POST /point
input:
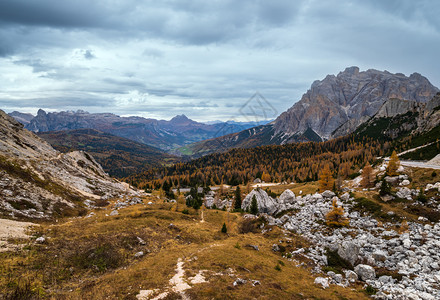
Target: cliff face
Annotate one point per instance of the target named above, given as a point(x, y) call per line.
point(350, 96)
point(36, 181)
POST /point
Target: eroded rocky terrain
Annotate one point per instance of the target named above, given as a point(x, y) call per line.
point(38, 182)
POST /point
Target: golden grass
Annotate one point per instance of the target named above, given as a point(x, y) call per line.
point(56, 268)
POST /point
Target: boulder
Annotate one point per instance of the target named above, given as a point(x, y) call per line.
point(380, 255)
point(365, 272)
point(351, 276)
point(405, 182)
point(321, 281)
point(287, 197)
point(266, 204)
point(40, 240)
point(404, 193)
point(349, 251)
point(328, 194)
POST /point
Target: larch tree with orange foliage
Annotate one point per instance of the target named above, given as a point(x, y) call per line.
point(326, 181)
point(265, 177)
point(393, 164)
point(367, 176)
point(335, 217)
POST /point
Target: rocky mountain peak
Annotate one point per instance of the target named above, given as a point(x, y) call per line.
point(349, 97)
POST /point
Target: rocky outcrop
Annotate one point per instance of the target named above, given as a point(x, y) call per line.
point(266, 204)
point(393, 107)
point(350, 95)
point(37, 181)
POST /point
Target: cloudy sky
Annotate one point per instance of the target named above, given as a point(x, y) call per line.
point(201, 58)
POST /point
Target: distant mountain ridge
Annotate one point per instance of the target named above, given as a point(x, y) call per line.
point(162, 134)
point(332, 107)
point(118, 156)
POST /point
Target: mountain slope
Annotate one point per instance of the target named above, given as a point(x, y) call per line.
point(118, 156)
point(36, 181)
point(334, 107)
point(165, 135)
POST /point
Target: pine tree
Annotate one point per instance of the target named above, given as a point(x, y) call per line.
point(393, 164)
point(385, 188)
point(237, 204)
point(335, 217)
point(224, 229)
point(367, 176)
point(254, 206)
point(326, 181)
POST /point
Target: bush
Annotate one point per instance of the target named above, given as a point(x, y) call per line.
point(370, 290)
point(367, 205)
point(185, 212)
point(278, 268)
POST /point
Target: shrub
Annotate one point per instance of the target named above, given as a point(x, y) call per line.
point(278, 268)
point(185, 212)
point(370, 290)
point(366, 205)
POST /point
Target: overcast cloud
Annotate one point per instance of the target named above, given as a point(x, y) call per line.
point(201, 58)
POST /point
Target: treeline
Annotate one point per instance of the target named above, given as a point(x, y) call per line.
point(298, 162)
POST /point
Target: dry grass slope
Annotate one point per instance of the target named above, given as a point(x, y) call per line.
point(93, 258)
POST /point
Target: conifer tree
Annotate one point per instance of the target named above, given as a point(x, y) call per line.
point(335, 217)
point(237, 204)
point(326, 181)
point(254, 206)
point(393, 164)
point(367, 176)
point(224, 229)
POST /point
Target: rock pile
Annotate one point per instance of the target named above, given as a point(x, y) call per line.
point(411, 257)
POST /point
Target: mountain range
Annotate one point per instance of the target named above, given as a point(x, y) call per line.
point(332, 107)
point(162, 134)
point(118, 156)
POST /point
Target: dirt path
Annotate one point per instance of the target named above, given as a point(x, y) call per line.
point(10, 229)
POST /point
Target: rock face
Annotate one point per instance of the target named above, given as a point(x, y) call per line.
point(37, 181)
point(350, 95)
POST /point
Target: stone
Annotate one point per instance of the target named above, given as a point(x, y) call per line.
point(365, 272)
point(141, 241)
point(287, 197)
point(321, 281)
point(351, 276)
point(40, 239)
point(139, 254)
point(239, 281)
point(349, 251)
point(405, 182)
point(380, 255)
point(114, 213)
point(275, 248)
point(255, 282)
point(328, 194)
point(254, 247)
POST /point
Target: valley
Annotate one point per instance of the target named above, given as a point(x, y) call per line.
point(91, 214)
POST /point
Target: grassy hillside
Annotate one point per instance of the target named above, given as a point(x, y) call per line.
point(94, 258)
point(118, 156)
